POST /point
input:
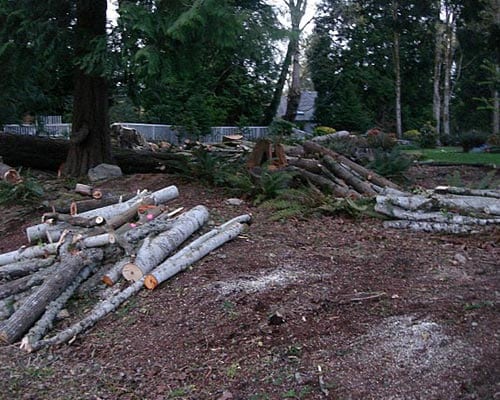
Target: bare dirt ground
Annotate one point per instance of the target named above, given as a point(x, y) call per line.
point(327, 308)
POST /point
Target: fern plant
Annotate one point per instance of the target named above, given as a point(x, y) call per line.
point(28, 191)
point(270, 185)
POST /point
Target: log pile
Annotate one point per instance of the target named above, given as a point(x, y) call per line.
point(132, 239)
point(444, 209)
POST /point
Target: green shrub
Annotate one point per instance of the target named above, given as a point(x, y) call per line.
point(390, 164)
point(472, 139)
point(428, 136)
point(378, 139)
point(493, 140)
point(323, 130)
point(412, 135)
point(27, 192)
point(280, 128)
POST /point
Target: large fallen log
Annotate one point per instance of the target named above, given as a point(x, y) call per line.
point(155, 249)
point(196, 251)
point(26, 267)
point(315, 148)
point(33, 307)
point(48, 154)
point(26, 253)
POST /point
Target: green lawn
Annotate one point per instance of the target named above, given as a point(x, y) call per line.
point(455, 155)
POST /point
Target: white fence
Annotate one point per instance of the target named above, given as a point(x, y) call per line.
point(51, 126)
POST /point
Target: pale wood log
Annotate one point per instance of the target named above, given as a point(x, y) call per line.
point(115, 272)
point(337, 169)
point(326, 184)
point(26, 267)
point(487, 205)
point(24, 283)
point(98, 240)
point(155, 250)
point(45, 323)
point(442, 217)
point(62, 206)
point(53, 217)
point(103, 308)
point(467, 192)
point(193, 252)
point(311, 147)
point(9, 174)
point(424, 226)
point(84, 189)
point(34, 306)
point(26, 253)
point(308, 164)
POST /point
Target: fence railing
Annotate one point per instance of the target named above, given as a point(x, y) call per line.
point(152, 132)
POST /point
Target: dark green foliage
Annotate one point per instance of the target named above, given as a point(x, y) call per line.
point(271, 184)
point(27, 192)
point(428, 136)
point(391, 164)
point(280, 128)
point(471, 139)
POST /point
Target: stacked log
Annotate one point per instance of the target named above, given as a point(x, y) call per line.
point(444, 209)
point(37, 281)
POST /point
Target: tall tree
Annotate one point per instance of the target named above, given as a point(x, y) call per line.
point(90, 142)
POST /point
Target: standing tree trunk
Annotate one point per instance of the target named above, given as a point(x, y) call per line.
point(496, 112)
point(397, 69)
point(438, 63)
point(90, 142)
point(297, 10)
point(449, 50)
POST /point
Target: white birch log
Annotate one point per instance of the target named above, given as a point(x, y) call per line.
point(154, 250)
point(487, 205)
point(45, 323)
point(468, 192)
point(194, 252)
point(26, 267)
point(442, 217)
point(26, 253)
point(103, 308)
point(98, 240)
point(425, 226)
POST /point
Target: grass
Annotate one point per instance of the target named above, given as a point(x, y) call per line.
point(455, 155)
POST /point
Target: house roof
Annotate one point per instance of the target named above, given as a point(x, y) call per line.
point(306, 106)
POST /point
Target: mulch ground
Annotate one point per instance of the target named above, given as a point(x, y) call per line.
point(325, 308)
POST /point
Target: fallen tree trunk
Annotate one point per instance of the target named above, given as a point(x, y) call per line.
point(27, 253)
point(25, 283)
point(467, 192)
point(155, 250)
point(195, 251)
point(425, 226)
point(48, 154)
point(22, 268)
point(312, 148)
point(44, 324)
point(326, 184)
point(33, 307)
point(342, 172)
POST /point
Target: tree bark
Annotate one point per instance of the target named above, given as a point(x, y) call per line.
point(90, 143)
point(397, 69)
point(22, 268)
point(154, 250)
point(28, 253)
point(34, 306)
point(438, 64)
point(196, 251)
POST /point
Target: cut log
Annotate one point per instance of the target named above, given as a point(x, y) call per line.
point(81, 188)
point(103, 308)
point(154, 250)
point(195, 251)
point(312, 148)
point(330, 136)
point(80, 206)
point(115, 273)
point(424, 226)
point(9, 174)
point(44, 324)
point(39, 232)
point(326, 184)
point(26, 253)
point(26, 267)
point(467, 192)
point(344, 174)
point(265, 152)
point(24, 283)
point(34, 306)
